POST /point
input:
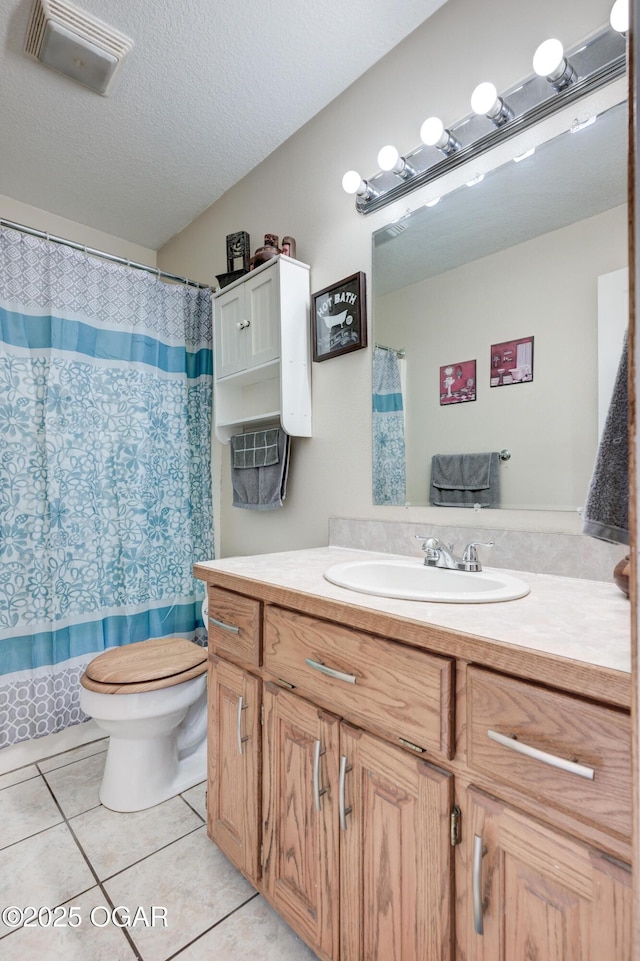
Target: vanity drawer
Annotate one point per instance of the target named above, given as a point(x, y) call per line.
point(234, 626)
point(402, 693)
point(519, 733)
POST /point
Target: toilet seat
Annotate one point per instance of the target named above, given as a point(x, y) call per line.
point(145, 666)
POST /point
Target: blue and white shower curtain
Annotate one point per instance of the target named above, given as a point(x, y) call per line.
point(389, 463)
point(105, 480)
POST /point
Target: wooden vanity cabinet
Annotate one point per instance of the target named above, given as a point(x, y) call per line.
point(396, 858)
point(357, 853)
point(234, 764)
point(300, 829)
point(337, 786)
point(537, 893)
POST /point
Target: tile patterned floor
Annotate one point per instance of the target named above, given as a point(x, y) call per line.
point(61, 849)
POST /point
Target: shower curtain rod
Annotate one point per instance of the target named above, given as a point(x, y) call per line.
point(98, 253)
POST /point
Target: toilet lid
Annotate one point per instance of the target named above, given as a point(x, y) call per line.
point(160, 658)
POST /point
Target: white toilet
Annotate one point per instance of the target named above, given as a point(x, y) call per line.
point(151, 699)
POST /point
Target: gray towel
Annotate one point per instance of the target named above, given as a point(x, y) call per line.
point(606, 513)
point(259, 488)
point(256, 449)
point(464, 480)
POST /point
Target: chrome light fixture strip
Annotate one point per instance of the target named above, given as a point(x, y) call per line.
point(598, 62)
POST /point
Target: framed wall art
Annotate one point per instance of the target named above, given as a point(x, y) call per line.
point(339, 318)
point(512, 362)
point(458, 382)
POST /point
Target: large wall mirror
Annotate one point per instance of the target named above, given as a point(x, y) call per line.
point(535, 251)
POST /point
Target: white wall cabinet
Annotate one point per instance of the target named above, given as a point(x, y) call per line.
point(262, 358)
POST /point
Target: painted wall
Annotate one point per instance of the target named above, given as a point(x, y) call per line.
point(20, 213)
point(551, 424)
point(297, 191)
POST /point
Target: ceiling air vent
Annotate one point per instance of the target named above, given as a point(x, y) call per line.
point(75, 43)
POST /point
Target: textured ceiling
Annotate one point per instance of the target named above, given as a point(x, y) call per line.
point(209, 90)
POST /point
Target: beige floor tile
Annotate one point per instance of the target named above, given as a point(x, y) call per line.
point(46, 869)
point(75, 754)
point(20, 774)
point(193, 880)
point(76, 785)
point(113, 841)
point(25, 809)
point(196, 797)
point(253, 931)
point(81, 942)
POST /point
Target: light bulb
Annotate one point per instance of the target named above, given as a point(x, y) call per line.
point(389, 159)
point(431, 131)
point(548, 58)
point(484, 99)
point(619, 18)
point(351, 182)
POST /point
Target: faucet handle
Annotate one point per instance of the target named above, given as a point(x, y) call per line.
point(470, 555)
point(430, 543)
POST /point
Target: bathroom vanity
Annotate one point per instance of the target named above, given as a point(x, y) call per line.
point(412, 781)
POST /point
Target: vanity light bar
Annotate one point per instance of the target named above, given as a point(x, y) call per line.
point(593, 64)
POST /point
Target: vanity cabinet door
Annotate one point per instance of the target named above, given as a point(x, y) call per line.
point(300, 836)
point(396, 872)
point(234, 749)
point(536, 893)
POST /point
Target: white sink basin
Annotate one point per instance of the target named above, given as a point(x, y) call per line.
point(411, 580)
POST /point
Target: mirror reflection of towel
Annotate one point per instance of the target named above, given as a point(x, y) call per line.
point(606, 513)
point(260, 488)
point(464, 480)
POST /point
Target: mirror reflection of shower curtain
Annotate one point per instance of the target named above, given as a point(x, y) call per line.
point(389, 465)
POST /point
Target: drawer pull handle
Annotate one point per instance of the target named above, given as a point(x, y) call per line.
point(552, 759)
point(479, 852)
point(317, 790)
point(225, 627)
point(343, 811)
point(330, 671)
point(241, 707)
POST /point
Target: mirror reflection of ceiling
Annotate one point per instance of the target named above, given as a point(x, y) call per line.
point(573, 177)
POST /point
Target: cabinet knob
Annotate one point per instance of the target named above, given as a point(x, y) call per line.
point(241, 324)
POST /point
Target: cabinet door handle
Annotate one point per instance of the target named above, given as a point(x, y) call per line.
point(241, 739)
point(560, 762)
point(317, 790)
point(243, 324)
point(343, 811)
point(479, 852)
point(330, 671)
point(225, 627)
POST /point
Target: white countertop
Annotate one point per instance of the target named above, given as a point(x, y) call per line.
point(583, 620)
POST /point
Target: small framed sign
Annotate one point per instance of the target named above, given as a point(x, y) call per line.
point(458, 382)
point(339, 317)
point(512, 362)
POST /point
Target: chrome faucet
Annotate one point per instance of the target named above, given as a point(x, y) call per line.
point(437, 554)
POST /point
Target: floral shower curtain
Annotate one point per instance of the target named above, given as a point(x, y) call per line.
point(389, 468)
point(105, 481)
